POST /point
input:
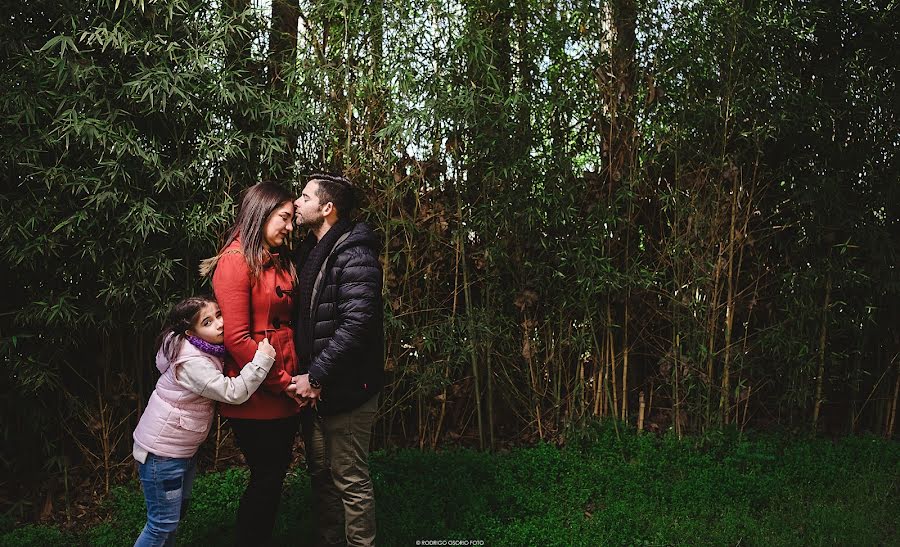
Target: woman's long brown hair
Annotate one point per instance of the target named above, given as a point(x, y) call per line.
point(258, 203)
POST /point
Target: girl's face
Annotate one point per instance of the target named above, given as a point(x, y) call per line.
point(209, 325)
point(279, 225)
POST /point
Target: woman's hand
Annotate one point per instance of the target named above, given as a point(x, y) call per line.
point(266, 347)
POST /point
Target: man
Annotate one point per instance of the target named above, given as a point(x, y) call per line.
point(339, 334)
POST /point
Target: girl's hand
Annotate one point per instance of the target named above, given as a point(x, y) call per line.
point(266, 348)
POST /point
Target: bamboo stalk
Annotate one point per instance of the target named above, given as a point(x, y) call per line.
point(403, 426)
point(528, 354)
point(104, 438)
point(580, 388)
point(892, 420)
point(420, 421)
point(571, 387)
point(612, 359)
point(711, 329)
point(218, 442)
point(389, 417)
point(820, 378)
point(348, 124)
point(443, 412)
point(724, 400)
point(746, 408)
point(598, 363)
point(677, 402)
point(140, 375)
point(855, 381)
point(604, 393)
point(640, 423)
point(66, 490)
point(871, 393)
point(467, 294)
point(624, 415)
point(557, 387)
point(749, 315)
point(490, 385)
point(490, 396)
point(605, 403)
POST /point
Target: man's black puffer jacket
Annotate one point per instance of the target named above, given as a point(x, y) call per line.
point(348, 323)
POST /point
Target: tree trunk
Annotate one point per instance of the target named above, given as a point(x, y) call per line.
point(242, 170)
point(282, 57)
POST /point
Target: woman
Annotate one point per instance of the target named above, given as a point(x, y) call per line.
point(253, 279)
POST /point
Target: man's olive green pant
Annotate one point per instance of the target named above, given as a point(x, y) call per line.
point(337, 455)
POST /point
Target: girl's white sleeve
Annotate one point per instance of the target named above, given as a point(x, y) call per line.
point(203, 378)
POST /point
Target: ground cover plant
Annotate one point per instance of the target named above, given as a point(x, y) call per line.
point(603, 488)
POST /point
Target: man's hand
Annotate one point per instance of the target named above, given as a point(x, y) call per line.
point(305, 390)
point(291, 391)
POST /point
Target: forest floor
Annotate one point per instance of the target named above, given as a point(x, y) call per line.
point(602, 488)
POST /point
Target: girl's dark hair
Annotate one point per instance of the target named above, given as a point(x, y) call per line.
point(182, 317)
point(257, 204)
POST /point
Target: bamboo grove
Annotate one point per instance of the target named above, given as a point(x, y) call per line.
point(681, 215)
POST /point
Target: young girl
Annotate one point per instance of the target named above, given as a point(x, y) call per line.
point(190, 355)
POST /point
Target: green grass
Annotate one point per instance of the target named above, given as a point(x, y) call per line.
point(640, 490)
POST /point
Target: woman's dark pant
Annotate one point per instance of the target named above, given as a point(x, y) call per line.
point(267, 446)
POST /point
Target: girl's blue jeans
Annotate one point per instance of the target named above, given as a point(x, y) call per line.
point(167, 486)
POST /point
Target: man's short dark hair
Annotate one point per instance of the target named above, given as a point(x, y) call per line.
point(336, 189)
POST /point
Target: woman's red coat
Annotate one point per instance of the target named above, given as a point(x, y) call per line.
point(251, 311)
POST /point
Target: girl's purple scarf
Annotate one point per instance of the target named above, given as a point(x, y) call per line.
point(217, 350)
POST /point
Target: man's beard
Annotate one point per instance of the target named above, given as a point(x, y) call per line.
point(313, 224)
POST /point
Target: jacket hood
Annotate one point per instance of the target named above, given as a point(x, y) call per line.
point(162, 362)
point(361, 235)
point(181, 351)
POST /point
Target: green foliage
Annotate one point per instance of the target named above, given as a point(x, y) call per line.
point(638, 490)
point(210, 518)
point(34, 536)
